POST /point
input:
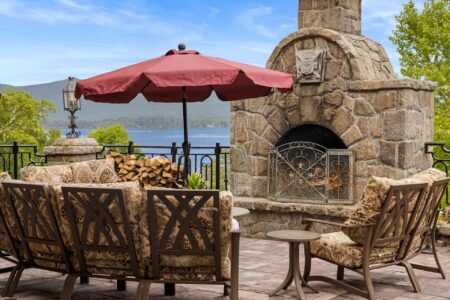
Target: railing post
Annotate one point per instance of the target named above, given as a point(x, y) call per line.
point(217, 152)
point(173, 152)
point(130, 147)
point(15, 151)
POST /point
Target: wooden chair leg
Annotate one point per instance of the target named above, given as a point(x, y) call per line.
point(121, 285)
point(368, 283)
point(84, 280)
point(169, 289)
point(412, 276)
point(69, 284)
point(234, 285)
point(436, 258)
point(226, 290)
point(340, 273)
point(143, 290)
point(9, 282)
point(14, 281)
point(307, 269)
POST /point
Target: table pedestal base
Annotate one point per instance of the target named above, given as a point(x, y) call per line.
point(294, 273)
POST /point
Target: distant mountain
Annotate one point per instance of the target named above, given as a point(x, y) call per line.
point(137, 113)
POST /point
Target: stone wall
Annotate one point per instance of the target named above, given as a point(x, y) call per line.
point(341, 15)
point(66, 151)
point(385, 121)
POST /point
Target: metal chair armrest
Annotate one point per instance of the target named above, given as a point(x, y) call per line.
point(340, 225)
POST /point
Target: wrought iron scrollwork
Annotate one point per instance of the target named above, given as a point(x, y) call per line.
point(308, 172)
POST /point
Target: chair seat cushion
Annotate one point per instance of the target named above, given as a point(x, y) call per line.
point(340, 249)
point(187, 264)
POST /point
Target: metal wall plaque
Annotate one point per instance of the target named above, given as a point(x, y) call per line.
point(310, 65)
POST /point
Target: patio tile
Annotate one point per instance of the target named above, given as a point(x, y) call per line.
point(263, 266)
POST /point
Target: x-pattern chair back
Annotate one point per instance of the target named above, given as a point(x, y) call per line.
point(398, 216)
point(184, 208)
point(101, 229)
point(428, 218)
point(35, 221)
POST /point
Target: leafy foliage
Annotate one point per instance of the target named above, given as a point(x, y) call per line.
point(196, 182)
point(423, 41)
point(114, 134)
point(20, 117)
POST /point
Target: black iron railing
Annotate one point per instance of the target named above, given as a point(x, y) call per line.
point(441, 160)
point(212, 163)
point(14, 157)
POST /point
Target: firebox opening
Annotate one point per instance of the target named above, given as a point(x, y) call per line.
point(312, 133)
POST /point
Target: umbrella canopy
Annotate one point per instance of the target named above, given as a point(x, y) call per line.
point(183, 76)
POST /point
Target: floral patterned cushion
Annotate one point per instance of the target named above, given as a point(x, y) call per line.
point(186, 262)
point(44, 254)
point(133, 201)
point(5, 244)
point(340, 249)
point(430, 176)
point(94, 171)
point(369, 207)
point(48, 174)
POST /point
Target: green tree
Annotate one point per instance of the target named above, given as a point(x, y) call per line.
point(112, 135)
point(20, 117)
point(423, 41)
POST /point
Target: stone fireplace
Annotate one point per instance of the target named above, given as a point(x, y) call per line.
point(357, 117)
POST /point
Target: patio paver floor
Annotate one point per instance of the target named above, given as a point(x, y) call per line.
point(263, 265)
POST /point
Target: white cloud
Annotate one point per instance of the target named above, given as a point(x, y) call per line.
point(73, 4)
point(250, 19)
point(213, 11)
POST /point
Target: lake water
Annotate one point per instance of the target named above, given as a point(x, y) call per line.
point(165, 136)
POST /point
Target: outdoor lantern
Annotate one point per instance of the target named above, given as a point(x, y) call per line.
point(71, 104)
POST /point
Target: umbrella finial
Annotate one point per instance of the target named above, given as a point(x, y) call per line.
point(181, 47)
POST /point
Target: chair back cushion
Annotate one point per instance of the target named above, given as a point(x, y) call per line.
point(96, 210)
point(94, 171)
point(5, 240)
point(190, 236)
point(48, 174)
point(370, 206)
point(30, 218)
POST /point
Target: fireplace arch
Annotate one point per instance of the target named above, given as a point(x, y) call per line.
point(312, 133)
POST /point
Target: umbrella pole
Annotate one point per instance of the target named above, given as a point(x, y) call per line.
point(186, 145)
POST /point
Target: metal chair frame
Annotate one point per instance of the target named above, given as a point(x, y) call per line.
point(186, 216)
point(390, 227)
point(33, 228)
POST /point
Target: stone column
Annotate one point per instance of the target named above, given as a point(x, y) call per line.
point(339, 15)
point(65, 151)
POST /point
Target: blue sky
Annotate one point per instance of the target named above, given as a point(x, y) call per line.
point(44, 41)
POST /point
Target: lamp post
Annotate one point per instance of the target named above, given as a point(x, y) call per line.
point(71, 104)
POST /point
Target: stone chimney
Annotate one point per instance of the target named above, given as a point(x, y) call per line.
point(339, 15)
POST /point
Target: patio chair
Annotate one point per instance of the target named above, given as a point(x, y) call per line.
point(32, 227)
point(101, 236)
point(393, 238)
point(428, 229)
point(190, 234)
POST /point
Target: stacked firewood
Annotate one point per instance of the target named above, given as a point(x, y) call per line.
point(155, 171)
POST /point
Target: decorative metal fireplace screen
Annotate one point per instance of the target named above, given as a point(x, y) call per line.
point(307, 172)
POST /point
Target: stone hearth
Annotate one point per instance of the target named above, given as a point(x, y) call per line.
point(345, 83)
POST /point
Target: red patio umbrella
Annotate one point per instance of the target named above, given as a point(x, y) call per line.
point(183, 76)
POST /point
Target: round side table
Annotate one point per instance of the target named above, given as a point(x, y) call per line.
point(294, 238)
point(239, 212)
